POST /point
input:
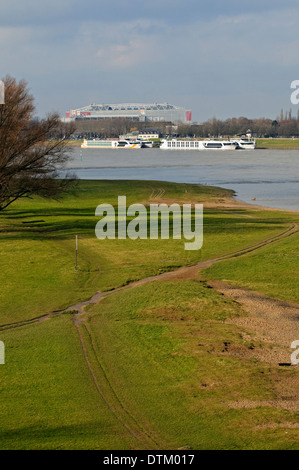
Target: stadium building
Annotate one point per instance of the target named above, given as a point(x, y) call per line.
point(137, 112)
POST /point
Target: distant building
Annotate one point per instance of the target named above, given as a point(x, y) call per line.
point(146, 134)
point(135, 111)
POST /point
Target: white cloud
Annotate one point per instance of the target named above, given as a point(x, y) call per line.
point(134, 53)
point(161, 58)
point(119, 45)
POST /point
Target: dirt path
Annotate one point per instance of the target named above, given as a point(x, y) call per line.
point(182, 272)
point(264, 319)
point(275, 317)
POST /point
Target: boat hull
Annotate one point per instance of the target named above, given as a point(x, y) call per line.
point(147, 144)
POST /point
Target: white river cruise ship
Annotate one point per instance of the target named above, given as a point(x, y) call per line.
point(176, 144)
point(109, 144)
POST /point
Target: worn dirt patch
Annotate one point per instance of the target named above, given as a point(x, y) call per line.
point(276, 324)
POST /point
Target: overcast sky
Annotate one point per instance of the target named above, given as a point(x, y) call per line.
point(223, 58)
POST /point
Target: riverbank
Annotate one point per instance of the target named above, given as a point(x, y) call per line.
point(156, 357)
point(275, 144)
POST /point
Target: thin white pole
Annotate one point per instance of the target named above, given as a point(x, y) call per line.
point(76, 252)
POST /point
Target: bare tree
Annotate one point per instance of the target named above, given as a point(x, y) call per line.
point(30, 150)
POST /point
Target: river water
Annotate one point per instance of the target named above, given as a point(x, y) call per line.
point(269, 176)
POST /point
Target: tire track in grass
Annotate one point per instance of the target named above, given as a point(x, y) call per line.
point(108, 393)
point(125, 417)
point(96, 298)
point(120, 411)
point(31, 321)
point(157, 193)
point(109, 397)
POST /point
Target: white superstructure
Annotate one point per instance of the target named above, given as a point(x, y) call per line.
point(109, 144)
point(176, 144)
point(245, 144)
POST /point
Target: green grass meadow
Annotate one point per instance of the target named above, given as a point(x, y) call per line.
point(153, 368)
point(278, 143)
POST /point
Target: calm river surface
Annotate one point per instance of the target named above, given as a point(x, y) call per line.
point(270, 176)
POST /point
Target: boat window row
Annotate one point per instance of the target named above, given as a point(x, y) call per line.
point(183, 144)
point(213, 145)
point(99, 144)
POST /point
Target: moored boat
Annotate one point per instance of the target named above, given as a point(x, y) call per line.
point(147, 144)
point(176, 144)
point(245, 144)
point(97, 143)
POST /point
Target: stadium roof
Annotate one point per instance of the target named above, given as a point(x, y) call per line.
point(128, 107)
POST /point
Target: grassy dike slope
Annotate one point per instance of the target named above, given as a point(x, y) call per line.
point(147, 367)
point(278, 144)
